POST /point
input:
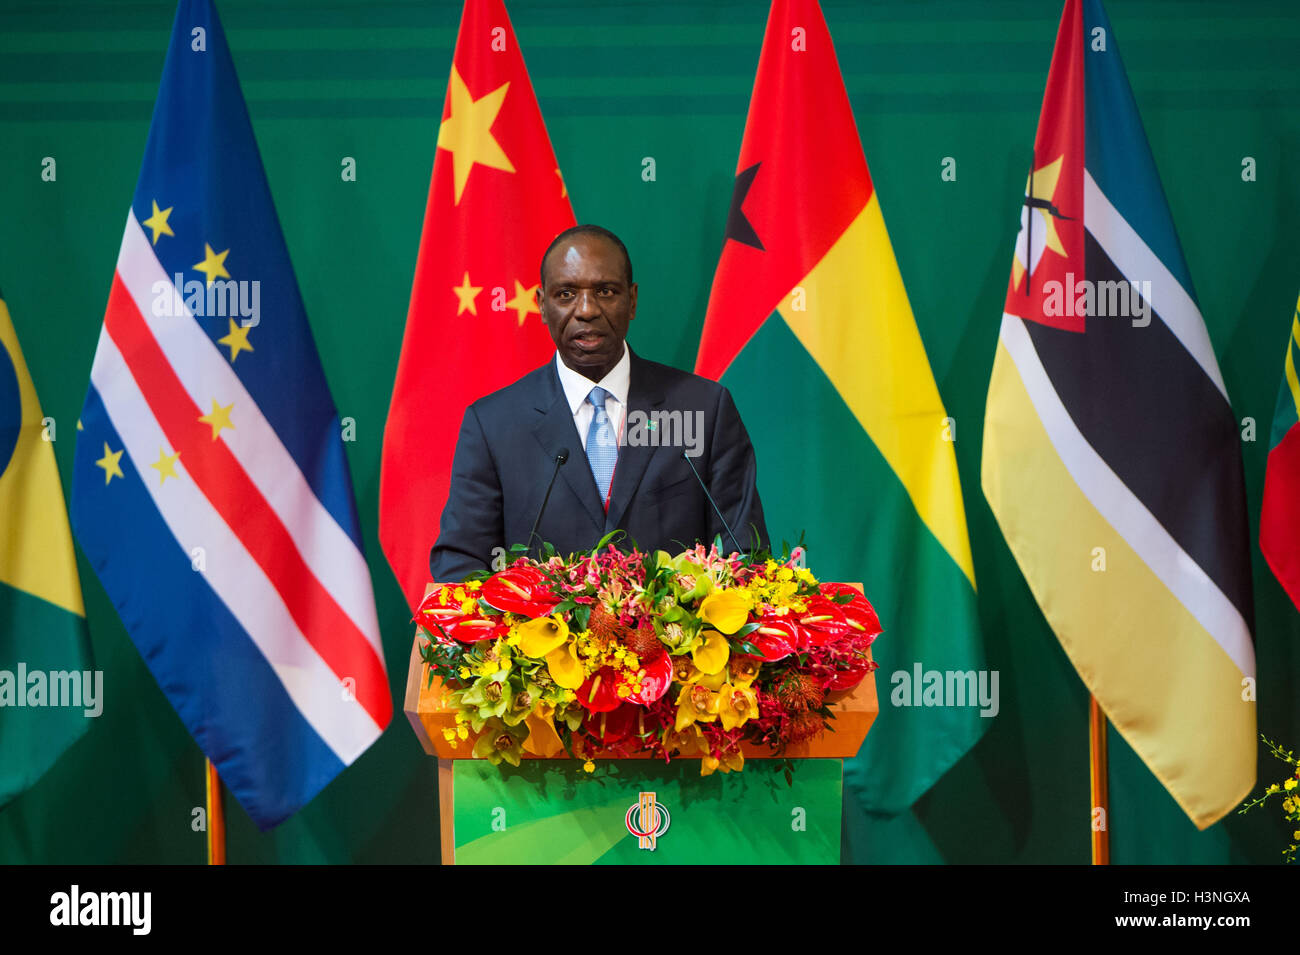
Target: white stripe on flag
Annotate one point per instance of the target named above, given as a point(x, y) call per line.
point(205, 373)
point(1137, 263)
point(1124, 510)
point(233, 574)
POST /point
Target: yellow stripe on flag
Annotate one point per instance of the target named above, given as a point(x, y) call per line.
point(851, 313)
point(36, 553)
point(1167, 685)
point(1292, 382)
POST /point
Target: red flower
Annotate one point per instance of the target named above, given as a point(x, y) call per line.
point(619, 723)
point(847, 679)
point(823, 621)
point(654, 684)
point(599, 693)
point(520, 589)
point(438, 619)
point(858, 612)
point(777, 637)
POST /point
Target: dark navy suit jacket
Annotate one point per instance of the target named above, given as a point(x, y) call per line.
point(506, 452)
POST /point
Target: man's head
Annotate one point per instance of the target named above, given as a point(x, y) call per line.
point(587, 298)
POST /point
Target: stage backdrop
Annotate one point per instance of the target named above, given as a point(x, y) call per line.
point(621, 86)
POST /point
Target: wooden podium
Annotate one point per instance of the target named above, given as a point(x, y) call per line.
point(430, 713)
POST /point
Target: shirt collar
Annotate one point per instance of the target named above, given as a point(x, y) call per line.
point(577, 386)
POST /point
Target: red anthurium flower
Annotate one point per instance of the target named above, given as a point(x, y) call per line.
point(655, 682)
point(438, 619)
point(823, 620)
point(858, 612)
point(848, 679)
point(599, 693)
point(522, 590)
point(473, 629)
point(777, 637)
point(609, 727)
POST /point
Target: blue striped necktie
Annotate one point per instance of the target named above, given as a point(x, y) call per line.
point(602, 449)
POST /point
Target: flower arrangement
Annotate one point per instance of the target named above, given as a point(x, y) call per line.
point(618, 654)
point(1290, 801)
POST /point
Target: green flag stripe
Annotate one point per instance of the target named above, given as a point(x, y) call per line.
point(820, 473)
point(43, 638)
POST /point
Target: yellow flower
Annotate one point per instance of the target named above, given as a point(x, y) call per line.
point(712, 655)
point(464, 673)
point(1290, 783)
point(736, 704)
point(744, 670)
point(725, 610)
point(565, 668)
point(684, 742)
point(542, 739)
point(696, 704)
point(735, 760)
point(539, 637)
point(588, 767)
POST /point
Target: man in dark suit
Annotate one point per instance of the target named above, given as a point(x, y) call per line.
point(624, 425)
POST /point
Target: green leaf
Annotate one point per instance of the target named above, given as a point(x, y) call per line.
point(607, 539)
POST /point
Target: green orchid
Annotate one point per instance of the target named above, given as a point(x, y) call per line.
point(501, 742)
point(487, 697)
point(522, 702)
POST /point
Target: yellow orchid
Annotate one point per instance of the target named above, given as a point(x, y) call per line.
point(732, 760)
point(539, 637)
point(744, 670)
point(725, 610)
point(564, 666)
point(696, 704)
point(684, 742)
point(711, 656)
point(736, 704)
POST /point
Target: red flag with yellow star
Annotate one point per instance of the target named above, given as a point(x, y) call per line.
point(496, 201)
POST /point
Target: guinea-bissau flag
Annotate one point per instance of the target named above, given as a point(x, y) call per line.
point(42, 619)
point(495, 203)
point(1279, 521)
point(1111, 454)
point(810, 328)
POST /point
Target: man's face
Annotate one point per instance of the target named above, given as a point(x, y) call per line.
point(587, 304)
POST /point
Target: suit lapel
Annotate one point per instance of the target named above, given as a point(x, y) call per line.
point(643, 394)
point(555, 430)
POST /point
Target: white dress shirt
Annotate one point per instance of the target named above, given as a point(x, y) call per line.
point(577, 386)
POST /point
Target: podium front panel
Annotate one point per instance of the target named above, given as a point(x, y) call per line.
point(645, 812)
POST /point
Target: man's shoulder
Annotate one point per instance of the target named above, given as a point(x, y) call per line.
point(675, 380)
point(535, 385)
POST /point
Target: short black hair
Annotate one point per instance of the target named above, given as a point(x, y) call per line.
point(588, 229)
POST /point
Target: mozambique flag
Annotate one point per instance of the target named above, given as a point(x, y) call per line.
point(42, 621)
point(810, 328)
point(1111, 455)
point(496, 201)
point(1279, 521)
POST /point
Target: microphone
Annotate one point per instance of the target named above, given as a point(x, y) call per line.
point(739, 549)
point(560, 457)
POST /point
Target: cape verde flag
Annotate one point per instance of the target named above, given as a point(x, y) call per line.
point(1112, 459)
point(211, 492)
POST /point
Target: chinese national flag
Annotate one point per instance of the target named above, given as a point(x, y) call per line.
point(495, 203)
